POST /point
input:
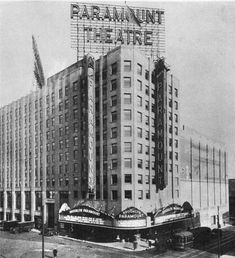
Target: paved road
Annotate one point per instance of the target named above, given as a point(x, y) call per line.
point(28, 245)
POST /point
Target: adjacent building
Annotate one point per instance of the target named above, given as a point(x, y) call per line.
point(204, 176)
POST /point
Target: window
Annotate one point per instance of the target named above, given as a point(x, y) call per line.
point(140, 163)
point(139, 69)
point(140, 148)
point(127, 98)
point(146, 74)
point(60, 131)
point(66, 181)
point(60, 93)
point(170, 155)
point(128, 178)
point(114, 195)
point(139, 101)
point(53, 121)
point(127, 147)
point(147, 105)
point(147, 150)
point(147, 90)
point(176, 130)
point(113, 85)
point(60, 106)
point(75, 141)
point(127, 82)
point(127, 131)
point(170, 89)
point(177, 193)
point(66, 131)
point(139, 117)
point(147, 179)
point(66, 117)
point(60, 156)
point(127, 163)
point(127, 66)
point(170, 129)
point(75, 155)
point(114, 132)
point(139, 132)
point(113, 179)
point(147, 164)
point(66, 104)
point(140, 179)
point(176, 92)
point(176, 155)
point(170, 116)
point(146, 135)
point(170, 142)
point(140, 194)
point(147, 120)
point(75, 100)
point(176, 118)
point(114, 116)
point(153, 180)
point(128, 194)
point(139, 85)
point(147, 194)
point(114, 148)
point(170, 103)
point(114, 163)
point(176, 181)
point(114, 68)
point(75, 86)
point(176, 105)
point(75, 194)
point(176, 143)
point(127, 114)
point(75, 127)
point(75, 113)
point(114, 101)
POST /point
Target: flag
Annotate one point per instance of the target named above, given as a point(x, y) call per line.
point(38, 70)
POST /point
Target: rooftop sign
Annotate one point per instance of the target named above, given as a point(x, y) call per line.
point(99, 28)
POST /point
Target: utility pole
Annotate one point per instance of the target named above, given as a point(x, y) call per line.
point(218, 224)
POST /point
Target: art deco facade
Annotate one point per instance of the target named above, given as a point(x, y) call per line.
point(110, 134)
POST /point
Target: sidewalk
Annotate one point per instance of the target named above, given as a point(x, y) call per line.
point(125, 246)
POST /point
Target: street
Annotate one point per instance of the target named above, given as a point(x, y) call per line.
point(28, 245)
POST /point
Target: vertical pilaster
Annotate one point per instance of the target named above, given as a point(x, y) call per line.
point(13, 162)
point(22, 163)
point(32, 134)
point(5, 169)
point(44, 164)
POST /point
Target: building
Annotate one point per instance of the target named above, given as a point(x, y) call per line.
point(204, 176)
point(46, 139)
point(232, 200)
point(107, 131)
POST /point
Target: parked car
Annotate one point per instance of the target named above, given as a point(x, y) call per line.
point(25, 226)
point(182, 240)
point(216, 231)
point(201, 235)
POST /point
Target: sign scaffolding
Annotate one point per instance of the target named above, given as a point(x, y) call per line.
point(99, 28)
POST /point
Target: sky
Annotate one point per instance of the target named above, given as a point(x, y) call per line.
point(200, 49)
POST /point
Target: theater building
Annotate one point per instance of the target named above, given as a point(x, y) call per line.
point(204, 176)
point(47, 139)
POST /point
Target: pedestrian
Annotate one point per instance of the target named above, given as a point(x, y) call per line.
point(55, 253)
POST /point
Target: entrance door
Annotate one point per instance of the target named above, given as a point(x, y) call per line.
point(51, 214)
